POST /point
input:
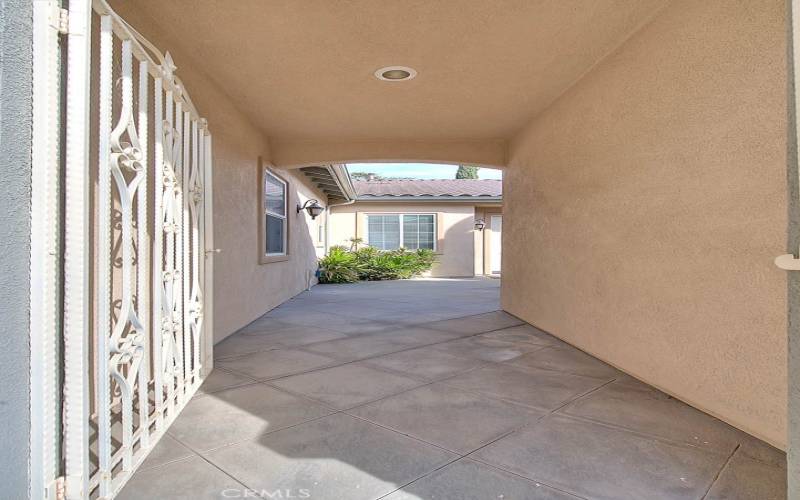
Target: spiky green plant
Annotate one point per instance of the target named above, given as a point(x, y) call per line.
point(339, 266)
point(368, 263)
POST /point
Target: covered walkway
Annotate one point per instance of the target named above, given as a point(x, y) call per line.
point(156, 159)
point(424, 389)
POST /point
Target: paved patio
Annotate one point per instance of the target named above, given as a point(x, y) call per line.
point(424, 390)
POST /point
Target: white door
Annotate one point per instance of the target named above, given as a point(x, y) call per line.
point(496, 226)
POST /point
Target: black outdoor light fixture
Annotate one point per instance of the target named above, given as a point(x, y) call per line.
point(480, 224)
point(312, 207)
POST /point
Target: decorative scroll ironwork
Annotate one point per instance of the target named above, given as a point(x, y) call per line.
point(126, 347)
point(171, 321)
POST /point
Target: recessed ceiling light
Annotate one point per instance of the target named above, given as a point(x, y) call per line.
point(395, 73)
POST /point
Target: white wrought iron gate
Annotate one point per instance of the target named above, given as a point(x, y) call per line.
point(121, 279)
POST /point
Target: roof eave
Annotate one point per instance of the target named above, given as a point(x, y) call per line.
point(475, 199)
point(342, 175)
point(333, 180)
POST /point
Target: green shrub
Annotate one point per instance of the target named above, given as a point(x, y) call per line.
point(346, 266)
point(339, 266)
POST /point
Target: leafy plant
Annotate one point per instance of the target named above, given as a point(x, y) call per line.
point(354, 242)
point(368, 263)
point(339, 266)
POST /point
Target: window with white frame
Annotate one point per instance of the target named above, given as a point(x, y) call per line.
point(275, 221)
point(392, 231)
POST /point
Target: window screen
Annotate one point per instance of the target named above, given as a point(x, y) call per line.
point(383, 231)
point(391, 231)
point(418, 231)
point(275, 213)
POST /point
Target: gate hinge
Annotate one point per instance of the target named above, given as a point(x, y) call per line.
point(61, 492)
point(59, 19)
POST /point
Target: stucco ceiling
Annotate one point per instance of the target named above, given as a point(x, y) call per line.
point(304, 69)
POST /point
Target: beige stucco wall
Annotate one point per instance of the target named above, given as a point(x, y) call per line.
point(454, 225)
point(645, 206)
point(292, 153)
point(243, 288)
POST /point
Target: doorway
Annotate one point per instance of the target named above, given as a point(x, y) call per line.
point(496, 228)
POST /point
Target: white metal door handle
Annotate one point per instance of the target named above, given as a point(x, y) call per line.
point(213, 250)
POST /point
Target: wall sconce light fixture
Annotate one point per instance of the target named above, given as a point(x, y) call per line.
point(312, 207)
point(480, 224)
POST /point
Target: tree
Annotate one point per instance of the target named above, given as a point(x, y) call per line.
point(466, 172)
point(366, 176)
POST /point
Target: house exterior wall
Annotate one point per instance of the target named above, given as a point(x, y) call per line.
point(243, 288)
point(454, 225)
point(16, 80)
point(645, 206)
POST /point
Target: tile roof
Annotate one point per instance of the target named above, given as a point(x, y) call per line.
point(429, 187)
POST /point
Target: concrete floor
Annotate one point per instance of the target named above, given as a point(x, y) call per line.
point(424, 390)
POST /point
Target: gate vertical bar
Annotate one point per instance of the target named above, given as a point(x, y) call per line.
point(188, 164)
point(142, 258)
point(76, 254)
point(177, 210)
point(198, 160)
point(169, 278)
point(209, 251)
point(103, 297)
point(44, 260)
point(188, 267)
point(158, 255)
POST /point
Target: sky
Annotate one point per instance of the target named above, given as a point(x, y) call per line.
point(419, 170)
